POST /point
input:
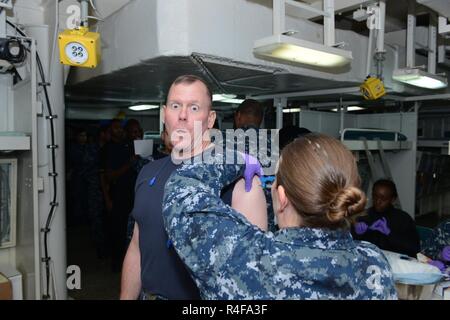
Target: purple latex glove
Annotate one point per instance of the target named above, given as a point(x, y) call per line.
point(252, 168)
point(438, 264)
point(361, 227)
point(446, 253)
point(381, 226)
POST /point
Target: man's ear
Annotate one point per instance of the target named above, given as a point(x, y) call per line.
point(237, 115)
point(163, 113)
point(211, 119)
point(283, 201)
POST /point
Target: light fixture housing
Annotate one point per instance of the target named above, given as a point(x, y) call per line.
point(233, 101)
point(289, 49)
point(227, 98)
point(420, 78)
point(221, 97)
point(143, 107)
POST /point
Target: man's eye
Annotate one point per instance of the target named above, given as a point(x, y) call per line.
point(195, 108)
point(174, 106)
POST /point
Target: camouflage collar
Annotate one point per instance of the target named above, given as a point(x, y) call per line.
point(315, 238)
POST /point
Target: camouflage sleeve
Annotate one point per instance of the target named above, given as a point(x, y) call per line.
point(440, 238)
point(203, 229)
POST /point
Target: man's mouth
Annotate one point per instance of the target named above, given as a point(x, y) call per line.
point(181, 131)
point(180, 135)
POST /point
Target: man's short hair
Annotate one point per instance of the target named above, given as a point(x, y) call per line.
point(251, 108)
point(289, 133)
point(388, 184)
point(190, 79)
point(132, 122)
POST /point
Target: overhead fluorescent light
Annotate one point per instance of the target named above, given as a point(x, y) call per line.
point(221, 97)
point(419, 78)
point(292, 110)
point(284, 48)
point(351, 108)
point(143, 107)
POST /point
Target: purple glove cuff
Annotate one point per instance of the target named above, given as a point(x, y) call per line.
point(438, 264)
point(252, 168)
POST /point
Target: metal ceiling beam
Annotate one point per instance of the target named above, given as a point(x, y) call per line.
point(444, 96)
point(321, 105)
point(315, 9)
point(312, 93)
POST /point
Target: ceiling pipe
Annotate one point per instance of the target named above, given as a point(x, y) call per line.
point(380, 51)
point(84, 13)
point(369, 52)
point(197, 60)
point(432, 44)
point(410, 31)
point(279, 16)
point(329, 33)
point(312, 93)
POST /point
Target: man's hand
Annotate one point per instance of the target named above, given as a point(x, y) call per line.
point(252, 168)
point(361, 228)
point(446, 253)
point(381, 226)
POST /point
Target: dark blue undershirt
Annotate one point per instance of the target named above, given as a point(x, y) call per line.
point(162, 271)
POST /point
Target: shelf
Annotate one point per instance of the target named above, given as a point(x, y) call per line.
point(13, 143)
point(438, 144)
point(358, 145)
point(433, 143)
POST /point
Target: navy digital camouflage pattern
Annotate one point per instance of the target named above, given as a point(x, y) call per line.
point(262, 150)
point(440, 238)
point(229, 258)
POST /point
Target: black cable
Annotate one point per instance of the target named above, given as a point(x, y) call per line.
point(16, 76)
point(53, 174)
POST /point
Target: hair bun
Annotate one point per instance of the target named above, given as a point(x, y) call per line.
point(348, 201)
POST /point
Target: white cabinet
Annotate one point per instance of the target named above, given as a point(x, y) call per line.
point(16, 281)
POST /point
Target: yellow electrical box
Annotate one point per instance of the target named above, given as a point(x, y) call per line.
point(79, 48)
point(372, 88)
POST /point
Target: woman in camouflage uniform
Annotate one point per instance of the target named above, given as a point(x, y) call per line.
point(312, 256)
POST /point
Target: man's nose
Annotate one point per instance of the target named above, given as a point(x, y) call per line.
point(183, 113)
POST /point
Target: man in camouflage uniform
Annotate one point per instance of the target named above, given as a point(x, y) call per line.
point(229, 258)
point(250, 139)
